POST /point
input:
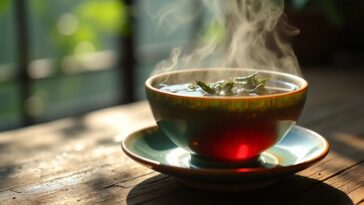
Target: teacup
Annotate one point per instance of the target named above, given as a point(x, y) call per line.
point(226, 129)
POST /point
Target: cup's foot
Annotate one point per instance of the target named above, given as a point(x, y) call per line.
point(200, 162)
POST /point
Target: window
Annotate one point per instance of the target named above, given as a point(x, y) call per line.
point(72, 56)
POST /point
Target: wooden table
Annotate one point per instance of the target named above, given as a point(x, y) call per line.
point(79, 160)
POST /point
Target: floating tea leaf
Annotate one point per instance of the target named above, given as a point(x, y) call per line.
point(205, 87)
point(242, 85)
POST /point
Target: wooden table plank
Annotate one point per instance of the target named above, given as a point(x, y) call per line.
point(64, 161)
point(349, 181)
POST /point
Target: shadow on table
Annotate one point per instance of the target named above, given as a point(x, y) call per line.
point(5, 173)
point(162, 189)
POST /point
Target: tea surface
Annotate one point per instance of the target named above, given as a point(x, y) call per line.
point(189, 89)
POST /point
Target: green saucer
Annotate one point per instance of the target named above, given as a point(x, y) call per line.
point(299, 149)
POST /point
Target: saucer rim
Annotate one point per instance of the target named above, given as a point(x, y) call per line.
point(176, 170)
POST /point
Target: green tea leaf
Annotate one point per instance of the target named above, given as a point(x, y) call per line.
point(260, 88)
point(262, 81)
point(244, 85)
point(206, 88)
point(246, 78)
point(228, 87)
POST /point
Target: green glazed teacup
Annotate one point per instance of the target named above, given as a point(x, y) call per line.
point(225, 129)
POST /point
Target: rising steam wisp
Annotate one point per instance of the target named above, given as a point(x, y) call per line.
point(239, 34)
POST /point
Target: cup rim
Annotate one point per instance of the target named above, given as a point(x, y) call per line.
point(302, 85)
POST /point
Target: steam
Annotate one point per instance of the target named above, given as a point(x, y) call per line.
point(239, 34)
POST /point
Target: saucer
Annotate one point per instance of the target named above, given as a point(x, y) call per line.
point(299, 149)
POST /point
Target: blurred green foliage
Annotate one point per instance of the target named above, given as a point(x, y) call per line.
point(56, 30)
point(93, 21)
point(4, 7)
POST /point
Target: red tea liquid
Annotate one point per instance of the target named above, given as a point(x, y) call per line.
point(222, 135)
point(229, 138)
point(234, 142)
